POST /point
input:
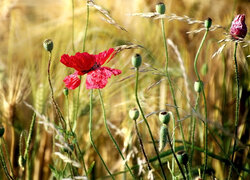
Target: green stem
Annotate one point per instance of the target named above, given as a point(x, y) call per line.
point(141, 145)
point(59, 114)
point(204, 99)
point(110, 135)
point(90, 134)
point(8, 156)
point(146, 122)
point(236, 123)
point(193, 128)
point(173, 159)
point(73, 23)
point(29, 136)
point(178, 163)
point(4, 165)
point(170, 85)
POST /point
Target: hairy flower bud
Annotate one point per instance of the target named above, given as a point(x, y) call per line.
point(134, 114)
point(2, 131)
point(182, 157)
point(66, 91)
point(48, 45)
point(164, 117)
point(160, 8)
point(163, 137)
point(136, 60)
point(238, 28)
point(198, 86)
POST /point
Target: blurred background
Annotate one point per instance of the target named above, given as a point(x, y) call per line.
point(25, 24)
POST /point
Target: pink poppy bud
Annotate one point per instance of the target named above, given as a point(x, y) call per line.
point(238, 27)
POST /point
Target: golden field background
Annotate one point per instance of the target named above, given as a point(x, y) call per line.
point(24, 24)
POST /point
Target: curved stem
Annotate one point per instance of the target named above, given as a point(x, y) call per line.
point(59, 114)
point(110, 135)
point(146, 122)
point(237, 106)
point(204, 99)
point(141, 145)
point(178, 163)
point(170, 85)
point(193, 128)
point(90, 134)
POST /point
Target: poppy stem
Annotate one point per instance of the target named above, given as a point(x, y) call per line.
point(110, 135)
point(59, 114)
point(90, 133)
point(237, 107)
point(171, 86)
point(2, 160)
point(204, 99)
point(141, 145)
point(146, 122)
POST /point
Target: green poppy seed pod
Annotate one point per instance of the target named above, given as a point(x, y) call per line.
point(66, 91)
point(182, 157)
point(160, 8)
point(204, 69)
point(198, 86)
point(21, 162)
point(136, 60)
point(163, 137)
point(48, 45)
point(2, 131)
point(208, 23)
point(164, 117)
point(134, 114)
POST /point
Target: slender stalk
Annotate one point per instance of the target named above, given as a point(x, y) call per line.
point(90, 134)
point(110, 135)
point(141, 145)
point(236, 123)
point(170, 83)
point(178, 163)
point(204, 99)
point(29, 136)
point(4, 165)
point(193, 129)
point(59, 114)
point(173, 160)
point(146, 122)
point(73, 24)
point(8, 156)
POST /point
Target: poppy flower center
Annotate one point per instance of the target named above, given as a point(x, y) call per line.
point(94, 67)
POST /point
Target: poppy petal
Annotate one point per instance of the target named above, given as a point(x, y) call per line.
point(80, 61)
point(102, 57)
point(72, 81)
point(98, 78)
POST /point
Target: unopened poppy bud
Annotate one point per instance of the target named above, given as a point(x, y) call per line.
point(21, 162)
point(208, 23)
point(163, 137)
point(164, 117)
point(204, 69)
point(238, 27)
point(198, 86)
point(182, 157)
point(136, 60)
point(48, 45)
point(134, 114)
point(66, 91)
point(2, 131)
point(160, 8)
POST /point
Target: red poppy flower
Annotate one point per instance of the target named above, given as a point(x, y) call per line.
point(90, 64)
point(238, 27)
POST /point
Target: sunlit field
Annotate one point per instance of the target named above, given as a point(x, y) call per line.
point(161, 92)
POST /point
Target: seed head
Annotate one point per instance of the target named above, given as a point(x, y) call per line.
point(134, 114)
point(164, 117)
point(160, 8)
point(48, 45)
point(238, 28)
point(208, 23)
point(136, 60)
